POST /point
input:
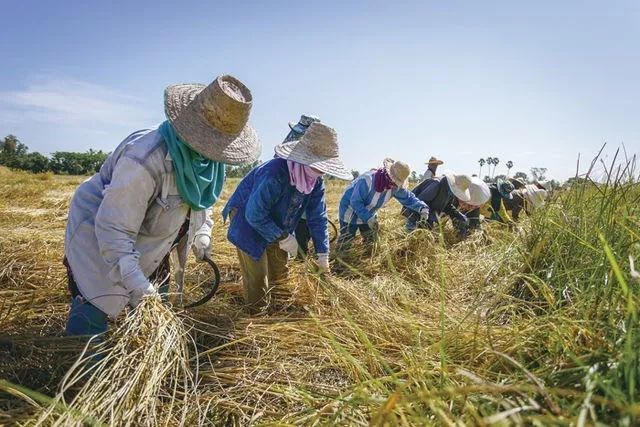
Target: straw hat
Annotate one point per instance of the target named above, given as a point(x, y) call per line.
point(213, 119)
point(434, 161)
point(459, 185)
point(398, 171)
point(535, 196)
point(479, 192)
point(518, 183)
point(317, 148)
point(304, 123)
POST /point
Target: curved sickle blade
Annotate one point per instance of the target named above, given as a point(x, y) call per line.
point(213, 284)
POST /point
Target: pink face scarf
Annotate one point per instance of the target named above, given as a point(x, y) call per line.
point(302, 177)
point(382, 181)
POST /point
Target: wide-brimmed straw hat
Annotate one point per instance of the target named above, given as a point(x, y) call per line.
point(459, 185)
point(398, 171)
point(479, 192)
point(213, 119)
point(434, 161)
point(304, 123)
point(535, 196)
point(317, 148)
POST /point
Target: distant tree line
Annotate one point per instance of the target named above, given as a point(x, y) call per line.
point(14, 154)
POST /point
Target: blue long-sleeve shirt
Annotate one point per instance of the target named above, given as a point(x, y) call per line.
point(361, 201)
point(268, 206)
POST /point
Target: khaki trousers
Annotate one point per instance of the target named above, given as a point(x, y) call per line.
point(260, 277)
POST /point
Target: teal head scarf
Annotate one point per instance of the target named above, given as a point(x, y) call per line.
point(199, 179)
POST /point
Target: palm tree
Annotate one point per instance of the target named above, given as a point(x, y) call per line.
point(482, 162)
point(489, 161)
point(509, 166)
point(495, 163)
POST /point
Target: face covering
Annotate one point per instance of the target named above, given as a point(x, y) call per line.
point(382, 181)
point(199, 179)
point(302, 177)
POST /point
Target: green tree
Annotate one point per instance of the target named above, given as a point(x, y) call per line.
point(539, 174)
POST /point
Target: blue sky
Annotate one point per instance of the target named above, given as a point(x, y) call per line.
point(532, 82)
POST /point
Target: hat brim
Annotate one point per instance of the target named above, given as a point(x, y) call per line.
point(297, 127)
point(435, 162)
point(197, 133)
point(464, 195)
point(298, 153)
point(387, 166)
point(481, 193)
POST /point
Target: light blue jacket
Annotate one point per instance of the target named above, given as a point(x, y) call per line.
point(361, 201)
point(124, 220)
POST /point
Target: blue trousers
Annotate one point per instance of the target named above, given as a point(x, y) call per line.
point(348, 234)
point(85, 318)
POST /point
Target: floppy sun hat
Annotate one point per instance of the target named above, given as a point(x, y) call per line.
point(398, 171)
point(213, 119)
point(535, 196)
point(317, 148)
point(434, 161)
point(479, 192)
point(459, 185)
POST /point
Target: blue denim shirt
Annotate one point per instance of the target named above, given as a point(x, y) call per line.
point(267, 206)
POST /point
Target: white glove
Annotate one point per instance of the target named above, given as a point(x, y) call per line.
point(290, 245)
point(202, 247)
point(323, 263)
point(373, 222)
point(136, 295)
point(424, 214)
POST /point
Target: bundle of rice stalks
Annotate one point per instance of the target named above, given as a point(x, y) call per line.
point(139, 376)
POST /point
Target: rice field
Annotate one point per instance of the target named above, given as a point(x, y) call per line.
point(537, 326)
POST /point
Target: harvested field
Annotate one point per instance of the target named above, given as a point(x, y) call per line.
point(536, 327)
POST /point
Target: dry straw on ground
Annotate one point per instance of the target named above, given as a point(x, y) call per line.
point(537, 326)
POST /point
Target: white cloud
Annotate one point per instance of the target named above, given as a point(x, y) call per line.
point(72, 102)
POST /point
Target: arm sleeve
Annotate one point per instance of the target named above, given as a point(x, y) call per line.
point(118, 221)
point(258, 210)
point(358, 197)
point(317, 220)
point(453, 212)
point(409, 200)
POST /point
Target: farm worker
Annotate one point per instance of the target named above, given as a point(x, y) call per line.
point(479, 194)
point(534, 197)
point(368, 193)
point(268, 203)
point(153, 192)
point(518, 183)
point(432, 166)
point(440, 194)
point(296, 130)
point(516, 204)
point(494, 210)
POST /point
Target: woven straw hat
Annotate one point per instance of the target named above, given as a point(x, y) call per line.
point(434, 161)
point(213, 120)
point(459, 185)
point(479, 192)
point(317, 148)
point(398, 171)
point(535, 196)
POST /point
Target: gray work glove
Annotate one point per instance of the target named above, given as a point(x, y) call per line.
point(290, 245)
point(202, 247)
point(323, 263)
point(136, 295)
